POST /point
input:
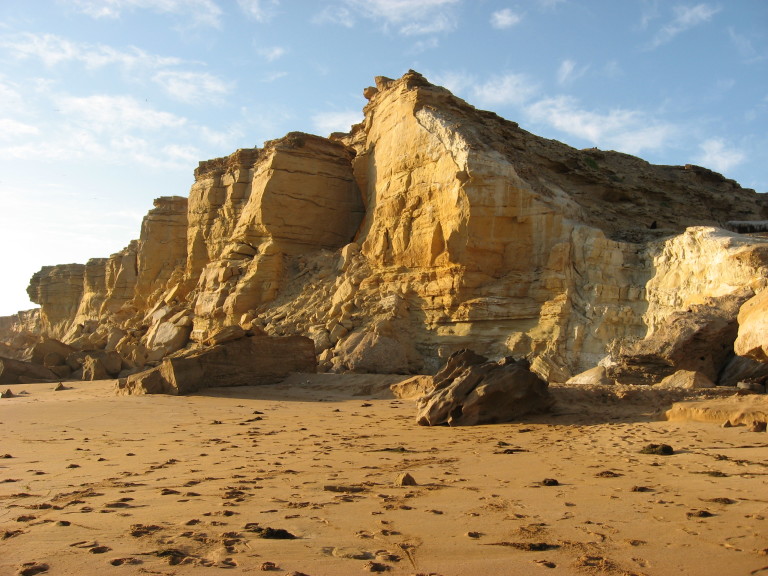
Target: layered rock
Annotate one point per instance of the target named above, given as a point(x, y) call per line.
point(470, 390)
point(251, 360)
point(431, 227)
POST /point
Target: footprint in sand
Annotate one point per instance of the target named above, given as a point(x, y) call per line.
point(32, 568)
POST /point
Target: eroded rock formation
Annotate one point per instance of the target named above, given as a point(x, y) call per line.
point(431, 227)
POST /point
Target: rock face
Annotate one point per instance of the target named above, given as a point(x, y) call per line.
point(470, 390)
point(250, 360)
point(19, 372)
point(431, 227)
point(752, 340)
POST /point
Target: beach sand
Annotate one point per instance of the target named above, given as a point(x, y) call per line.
point(93, 483)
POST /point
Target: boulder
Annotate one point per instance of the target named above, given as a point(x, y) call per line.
point(752, 339)
point(166, 338)
point(93, 369)
point(226, 334)
point(597, 375)
point(110, 361)
point(482, 392)
point(248, 361)
point(377, 352)
point(686, 379)
point(413, 388)
point(48, 352)
point(699, 339)
point(17, 371)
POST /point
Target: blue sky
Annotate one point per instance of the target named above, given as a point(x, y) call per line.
point(107, 104)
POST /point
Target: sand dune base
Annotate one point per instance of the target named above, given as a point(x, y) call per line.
point(98, 484)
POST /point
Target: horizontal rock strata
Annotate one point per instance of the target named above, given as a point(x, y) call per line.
point(432, 227)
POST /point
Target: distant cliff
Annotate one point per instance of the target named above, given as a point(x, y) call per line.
point(430, 227)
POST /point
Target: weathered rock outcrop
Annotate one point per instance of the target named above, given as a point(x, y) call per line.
point(470, 390)
point(431, 227)
point(251, 360)
point(20, 372)
point(752, 340)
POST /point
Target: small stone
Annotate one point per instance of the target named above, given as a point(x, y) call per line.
point(658, 449)
point(727, 424)
point(266, 566)
point(757, 427)
point(550, 482)
point(405, 479)
point(7, 394)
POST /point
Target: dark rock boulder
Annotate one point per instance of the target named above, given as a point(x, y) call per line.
point(471, 390)
point(248, 361)
point(19, 372)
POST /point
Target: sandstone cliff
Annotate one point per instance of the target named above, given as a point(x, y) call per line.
point(431, 227)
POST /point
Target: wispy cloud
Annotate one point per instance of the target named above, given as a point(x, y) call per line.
point(192, 87)
point(11, 129)
point(10, 97)
point(200, 12)
point(630, 131)
point(506, 89)
point(717, 155)
point(271, 54)
point(685, 18)
point(53, 50)
point(550, 4)
point(259, 10)
point(338, 15)
point(745, 47)
point(116, 114)
point(327, 122)
point(409, 17)
point(568, 72)
point(505, 18)
point(424, 45)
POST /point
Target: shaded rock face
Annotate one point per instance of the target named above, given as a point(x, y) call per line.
point(431, 227)
point(251, 360)
point(470, 390)
point(698, 340)
point(20, 372)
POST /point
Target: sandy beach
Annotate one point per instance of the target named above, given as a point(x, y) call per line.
point(302, 477)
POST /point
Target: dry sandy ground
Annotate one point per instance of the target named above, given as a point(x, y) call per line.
point(93, 483)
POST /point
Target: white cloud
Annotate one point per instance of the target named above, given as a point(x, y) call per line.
point(715, 154)
point(412, 17)
point(53, 50)
point(328, 122)
point(456, 82)
point(515, 89)
point(192, 87)
point(568, 71)
point(11, 129)
point(505, 19)
point(201, 12)
point(549, 4)
point(119, 114)
point(259, 10)
point(424, 45)
point(338, 15)
point(745, 47)
point(686, 17)
point(630, 131)
point(272, 54)
point(10, 97)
